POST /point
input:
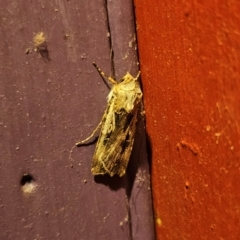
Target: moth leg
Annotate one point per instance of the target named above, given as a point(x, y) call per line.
point(111, 80)
point(93, 133)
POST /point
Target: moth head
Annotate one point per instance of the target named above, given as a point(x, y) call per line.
point(127, 78)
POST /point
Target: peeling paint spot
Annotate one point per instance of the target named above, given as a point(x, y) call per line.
point(40, 45)
point(191, 146)
point(208, 128)
point(39, 40)
point(159, 222)
point(28, 184)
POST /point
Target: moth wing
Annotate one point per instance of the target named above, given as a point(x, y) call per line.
point(114, 147)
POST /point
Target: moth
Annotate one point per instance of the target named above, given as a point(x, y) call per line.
point(118, 126)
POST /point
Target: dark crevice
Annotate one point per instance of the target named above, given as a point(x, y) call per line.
point(136, 38)
point(110, 41)
point(130, 222)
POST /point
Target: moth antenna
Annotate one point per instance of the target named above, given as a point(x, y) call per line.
point(111, 80)
point(136, 78)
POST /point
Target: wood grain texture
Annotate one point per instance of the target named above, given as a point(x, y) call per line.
point(48, 104)
point(189, 57)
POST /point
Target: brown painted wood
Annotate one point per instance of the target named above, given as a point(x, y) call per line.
point(189, 55)
point(51, 99)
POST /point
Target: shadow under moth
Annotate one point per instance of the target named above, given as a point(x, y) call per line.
point(118, 126)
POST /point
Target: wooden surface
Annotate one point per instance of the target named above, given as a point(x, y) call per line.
point(189, 57)
point(50, 100)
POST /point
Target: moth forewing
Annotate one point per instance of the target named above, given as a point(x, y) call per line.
point(116, 138)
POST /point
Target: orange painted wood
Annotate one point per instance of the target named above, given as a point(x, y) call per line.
point(189, 58)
